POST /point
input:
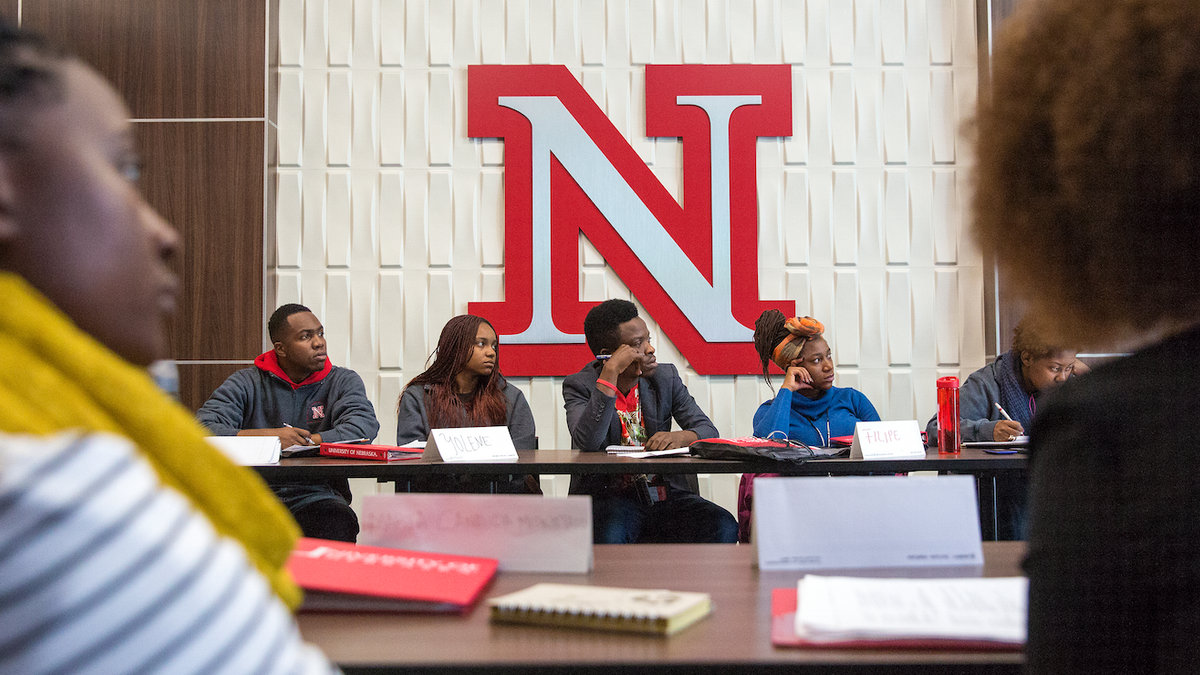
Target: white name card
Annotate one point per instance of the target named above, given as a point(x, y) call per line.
point(526, 533)
point(470, 444)
point(887, 440)
point(866, 521)
point(248, 450)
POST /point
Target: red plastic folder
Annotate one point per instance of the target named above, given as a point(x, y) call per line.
point(338, 576)
point(783, 634)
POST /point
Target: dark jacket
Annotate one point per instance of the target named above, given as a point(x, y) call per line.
point(594, 425)
point(1114, 536)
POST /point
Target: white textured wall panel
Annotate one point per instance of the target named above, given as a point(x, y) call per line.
point(389, 220)
point(337, 219)
point(792, 29)
point(741, 30)
point(718, 31)
point(391, 32)
point(290, 119)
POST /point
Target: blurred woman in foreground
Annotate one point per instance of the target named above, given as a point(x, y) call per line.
point(1088, 193)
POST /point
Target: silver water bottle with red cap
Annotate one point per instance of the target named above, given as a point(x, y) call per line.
point(949, 434)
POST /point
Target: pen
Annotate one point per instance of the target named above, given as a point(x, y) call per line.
point(1003, 411)
point(307, 441)
point(603, 357)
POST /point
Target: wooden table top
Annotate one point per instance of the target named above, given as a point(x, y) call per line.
point(971, 460)
point(734, 638)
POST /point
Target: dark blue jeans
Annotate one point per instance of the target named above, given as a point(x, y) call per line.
point(320, 511)
point(685, 518)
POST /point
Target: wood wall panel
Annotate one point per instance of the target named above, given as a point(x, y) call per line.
point(205, 58)
point(198, 381)
point(206, 179)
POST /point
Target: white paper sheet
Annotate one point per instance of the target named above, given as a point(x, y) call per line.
point(848, 608)
point(248, 450)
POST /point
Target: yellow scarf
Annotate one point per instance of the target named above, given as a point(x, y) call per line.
point(54, 377)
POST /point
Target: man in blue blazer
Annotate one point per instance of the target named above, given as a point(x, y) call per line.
point(625, 397)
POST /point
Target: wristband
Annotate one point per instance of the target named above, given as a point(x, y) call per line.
point(608, 384)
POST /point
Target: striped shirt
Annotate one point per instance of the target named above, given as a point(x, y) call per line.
point(104, 570)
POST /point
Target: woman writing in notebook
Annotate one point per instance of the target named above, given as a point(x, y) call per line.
point(807, 408)
point(464, 388)
point(998, 401)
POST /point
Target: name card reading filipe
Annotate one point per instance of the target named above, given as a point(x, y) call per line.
point(866, 521)
point(887, 440)
point(470, 444)
point(526, 533)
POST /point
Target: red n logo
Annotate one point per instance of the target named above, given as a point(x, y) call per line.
point(568, 170)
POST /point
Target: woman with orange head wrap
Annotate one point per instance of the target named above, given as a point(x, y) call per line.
point(807, 408)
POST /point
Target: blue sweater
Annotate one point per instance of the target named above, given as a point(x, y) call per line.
point(813, 421)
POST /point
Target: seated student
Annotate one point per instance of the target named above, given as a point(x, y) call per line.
point(629, 399)
point(820, 412)
point(464, 388)
point(127, 543)
point(295, 393)
point(1015, 380)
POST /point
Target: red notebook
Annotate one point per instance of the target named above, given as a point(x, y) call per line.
point(338, 576)
point(783, 634)
point(379, 453)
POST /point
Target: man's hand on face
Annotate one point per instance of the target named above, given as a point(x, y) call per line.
point(669, 440)
point(288, 436)
point(625, 361)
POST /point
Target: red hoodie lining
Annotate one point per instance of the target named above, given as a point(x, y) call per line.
point(269, 361)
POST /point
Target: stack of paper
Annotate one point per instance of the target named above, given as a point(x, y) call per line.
point(919, 613)
point(248, 450)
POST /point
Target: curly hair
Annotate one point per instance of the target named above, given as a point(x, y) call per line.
point(603, 321)
point(454, 348)
point(1029, 338)
point(1087, 185)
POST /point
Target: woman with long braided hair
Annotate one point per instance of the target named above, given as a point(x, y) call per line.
point(464, 388)
point(807, 408)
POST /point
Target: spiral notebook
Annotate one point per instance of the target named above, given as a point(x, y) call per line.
point(659, 612)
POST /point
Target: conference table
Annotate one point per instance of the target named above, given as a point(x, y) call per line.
point(735, 638)
point(974, 461)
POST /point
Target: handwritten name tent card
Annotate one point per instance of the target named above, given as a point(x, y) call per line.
point(887, 440)
point(866, 521)
point(470, 444)
point(526, 533)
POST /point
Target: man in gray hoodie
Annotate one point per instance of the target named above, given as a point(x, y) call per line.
point(295, 393)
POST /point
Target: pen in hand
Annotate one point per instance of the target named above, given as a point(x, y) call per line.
point(307, 441)
point(1003, 411)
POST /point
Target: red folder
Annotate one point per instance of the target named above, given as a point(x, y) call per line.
point(339, 576)
point(783, 634)
point(379, 453)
